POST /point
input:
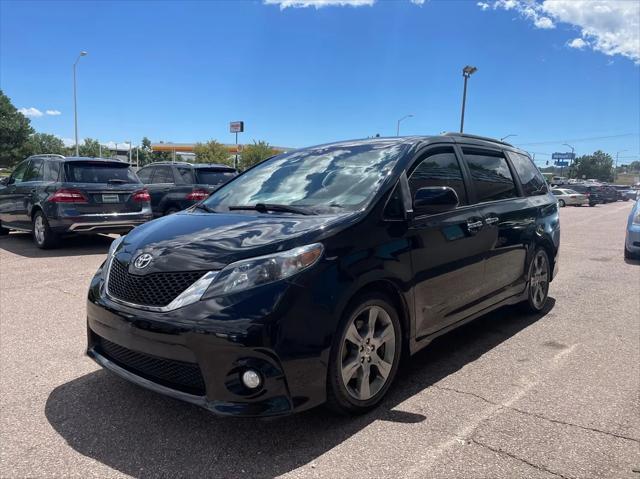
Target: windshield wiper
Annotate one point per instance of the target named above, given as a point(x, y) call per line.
point(202, 206)
point(264, 207)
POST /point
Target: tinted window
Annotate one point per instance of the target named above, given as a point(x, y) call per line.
point(97, 172)
point(50, 170)
point(439, 168)
point(557, 192)
point(18, 173)
point(186, 174)
point(491, 176)
point(163, 174)
point(145, 174)
point(213, 177)
point(531, 179)
point(33, 173)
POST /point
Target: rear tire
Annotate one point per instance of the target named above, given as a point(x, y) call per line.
point(43, 236)
point(538, 279)
point(365, 354)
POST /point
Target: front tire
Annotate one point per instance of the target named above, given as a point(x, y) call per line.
point(43, 236)
point(364, 356)
point(561, 203)
point(538, 279)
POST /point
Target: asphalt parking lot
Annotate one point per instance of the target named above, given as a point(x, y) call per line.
point(509, 395)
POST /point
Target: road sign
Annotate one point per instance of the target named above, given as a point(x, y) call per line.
point(563, 156)
point(236, 126)
point(561, 163)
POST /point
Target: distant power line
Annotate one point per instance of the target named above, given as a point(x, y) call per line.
point(576, 140)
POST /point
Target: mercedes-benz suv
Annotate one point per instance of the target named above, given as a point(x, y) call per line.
point(306, 278)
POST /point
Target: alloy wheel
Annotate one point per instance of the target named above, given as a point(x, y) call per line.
point(539, 280)
point(39, 229)
point(368, 352)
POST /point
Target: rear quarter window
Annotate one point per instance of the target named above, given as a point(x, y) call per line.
point(530, 177)
point(213, 177)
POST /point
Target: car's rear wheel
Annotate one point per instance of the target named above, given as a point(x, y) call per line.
point(538, 279)
point(561, 203)
point(365, 355)
point(43, 236)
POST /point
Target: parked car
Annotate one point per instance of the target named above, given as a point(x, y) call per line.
point(566, 196)
point(176, 186)
point(559, 180)
point(50, 196)
point(621, 192)
point(632, 237)
point(592, 192)
point(630, 193)
point(306, 278)
point(609, 194)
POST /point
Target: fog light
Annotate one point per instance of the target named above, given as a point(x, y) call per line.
point(251, 379)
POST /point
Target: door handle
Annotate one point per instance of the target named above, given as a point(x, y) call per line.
point(474, 226)
point(33, 190)
point(491, 220)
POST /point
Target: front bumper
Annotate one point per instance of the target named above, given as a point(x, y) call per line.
point(198, 353)
point(632, 239)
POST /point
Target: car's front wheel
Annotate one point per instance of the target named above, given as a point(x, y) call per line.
point(365, 355)
point(561, 203)
point(43, 236)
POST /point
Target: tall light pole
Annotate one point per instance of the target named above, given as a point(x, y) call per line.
point(615, 170)
point(573, 156)
point(75, 99)
point(508, 136)
point(398, 124)
point(466, 73)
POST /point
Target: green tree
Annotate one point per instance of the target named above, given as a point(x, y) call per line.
point(212, 152)
point(253, 154)
point(40, 143)
point(15, 129)
point(91, 148)
point(144, 152)
point(598, 165)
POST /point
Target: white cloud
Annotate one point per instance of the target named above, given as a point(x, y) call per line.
point(417, 2)
point(31, 112)
point(318, 3)
point(53, 112)
point(611, 27)
point(578, 43)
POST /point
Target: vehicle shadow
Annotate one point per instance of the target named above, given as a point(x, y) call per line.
point(22, 244)
point(143, 434)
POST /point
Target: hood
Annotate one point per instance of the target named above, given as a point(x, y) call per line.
point(189, 241)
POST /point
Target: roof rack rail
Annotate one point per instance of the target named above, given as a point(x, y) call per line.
point(476, 137)
point(46, 155)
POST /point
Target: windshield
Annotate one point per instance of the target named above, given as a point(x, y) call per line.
point(213, 177)
point(96, 172)
point(322, 179)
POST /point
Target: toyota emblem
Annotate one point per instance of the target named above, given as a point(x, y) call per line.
point(143, 260)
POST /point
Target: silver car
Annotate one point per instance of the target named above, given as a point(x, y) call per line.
point(565, 196)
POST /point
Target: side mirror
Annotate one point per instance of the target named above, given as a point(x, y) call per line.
point(434, 199)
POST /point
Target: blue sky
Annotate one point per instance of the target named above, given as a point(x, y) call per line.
point(180, 71)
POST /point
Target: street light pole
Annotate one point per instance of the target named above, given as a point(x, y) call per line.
point(466, 73)
point(398, 124)
point(75, 100)
point(615, 170)
point(573, 156)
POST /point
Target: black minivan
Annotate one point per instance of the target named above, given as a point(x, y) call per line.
point(306, 278)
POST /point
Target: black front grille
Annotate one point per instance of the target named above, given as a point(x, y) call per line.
point(177, 375)
point(155, 289)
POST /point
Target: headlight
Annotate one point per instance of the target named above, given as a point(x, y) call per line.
point(253, 272)
point(114, 245)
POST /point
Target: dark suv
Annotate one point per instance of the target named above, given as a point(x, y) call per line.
point(306, 278)
point(592, 192)
point(50, 195)
point(176, 186)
